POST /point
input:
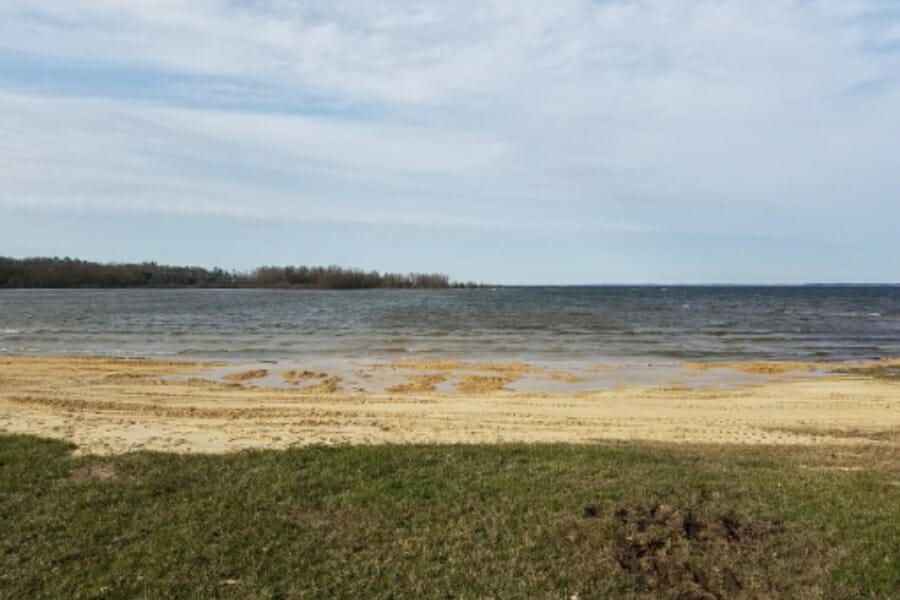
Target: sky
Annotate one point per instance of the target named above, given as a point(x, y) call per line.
point(507, 141)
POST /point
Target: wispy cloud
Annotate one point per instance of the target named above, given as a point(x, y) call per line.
point(625, 116)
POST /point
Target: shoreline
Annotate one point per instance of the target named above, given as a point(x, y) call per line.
point(110, 406)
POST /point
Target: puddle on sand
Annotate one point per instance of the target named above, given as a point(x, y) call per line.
point(369, 376)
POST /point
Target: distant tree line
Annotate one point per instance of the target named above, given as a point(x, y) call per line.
point(73, 273)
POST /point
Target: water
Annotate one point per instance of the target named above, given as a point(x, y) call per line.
point(545, 323)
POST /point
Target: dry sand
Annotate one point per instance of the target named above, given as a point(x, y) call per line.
point(115, 405)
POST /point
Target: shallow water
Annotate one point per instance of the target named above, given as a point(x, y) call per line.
point(616, 324)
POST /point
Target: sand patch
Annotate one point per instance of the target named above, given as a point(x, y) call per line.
point(778, 367)
point(764, 367)
point(881, 371)
point(246, 375)
point(98, 405)
point(564, 376)
point(326, 386)
point(878, 434)
point(124, 376)
point(296, 375)
point(419, 383)
point(477, 384)
point(204, 383)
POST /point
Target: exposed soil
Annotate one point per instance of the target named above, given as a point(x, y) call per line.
point(708, 553)
point(419, 383)
point(471, 384)
point(880, 367)
point(295, 375)
point(99, 471)
point(246, 375)
point(326, 386)
point(884, 372)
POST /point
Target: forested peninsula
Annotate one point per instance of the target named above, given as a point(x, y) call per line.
point(75, 273)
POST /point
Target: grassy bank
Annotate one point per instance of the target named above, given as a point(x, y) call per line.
point(438, 521)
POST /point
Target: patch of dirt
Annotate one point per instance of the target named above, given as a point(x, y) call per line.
point(764, 367)
point(295, 375)
point(125, 376)
point(471, 384)
point(705, 554)
point(246, 375)
point(202, 383)
point(326, 386)
point(419, 383)
point(882, 372)
point(887, 368)
point(96, 471)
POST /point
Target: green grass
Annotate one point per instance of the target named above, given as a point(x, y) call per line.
point(509, 521)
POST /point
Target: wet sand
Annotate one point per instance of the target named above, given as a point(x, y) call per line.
point(110, 406)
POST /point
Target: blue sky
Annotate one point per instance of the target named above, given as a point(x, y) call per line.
point(507, 141)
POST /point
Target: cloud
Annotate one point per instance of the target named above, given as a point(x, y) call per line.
point(137, 155)
point(472, 52)
point(672, 116)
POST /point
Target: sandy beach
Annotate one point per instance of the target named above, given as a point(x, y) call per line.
point(109, 406)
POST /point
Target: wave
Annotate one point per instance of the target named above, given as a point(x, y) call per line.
point(584, 323)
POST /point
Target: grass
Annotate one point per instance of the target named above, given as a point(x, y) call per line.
point(516, 521)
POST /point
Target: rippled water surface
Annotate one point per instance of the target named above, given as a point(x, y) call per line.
point(545, 323)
